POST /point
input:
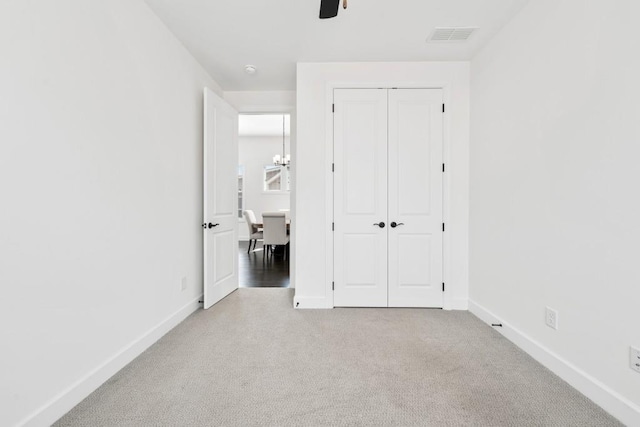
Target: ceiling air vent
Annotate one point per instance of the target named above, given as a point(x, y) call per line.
point(451, 34)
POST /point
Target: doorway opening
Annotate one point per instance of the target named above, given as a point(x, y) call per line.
point(264, 184)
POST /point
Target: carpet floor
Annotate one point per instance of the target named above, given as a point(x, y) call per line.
point(252, 360)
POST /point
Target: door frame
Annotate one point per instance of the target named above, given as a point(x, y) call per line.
point(248, 108)
point(446, 187)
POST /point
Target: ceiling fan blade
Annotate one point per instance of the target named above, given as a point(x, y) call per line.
point(329, 8)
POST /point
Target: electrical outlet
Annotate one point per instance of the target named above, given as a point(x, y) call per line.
point(551, 318)
point(183, 284)
point(634, 359)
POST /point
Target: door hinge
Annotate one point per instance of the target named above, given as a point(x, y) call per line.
point(333, 167)
point(443, 167)
point(442, 286)
point(443, 108)
point(333, 286)
point(333, 108)
point(443, 226)
point(333, 226)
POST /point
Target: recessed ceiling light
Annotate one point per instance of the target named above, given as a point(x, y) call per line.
point(250, 69)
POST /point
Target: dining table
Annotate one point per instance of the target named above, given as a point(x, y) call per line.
point(259, 226)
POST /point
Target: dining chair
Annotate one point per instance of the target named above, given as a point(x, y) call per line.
point(254, 232)
point(274, 231)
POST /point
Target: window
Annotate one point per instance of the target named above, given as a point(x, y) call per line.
point(240, 191)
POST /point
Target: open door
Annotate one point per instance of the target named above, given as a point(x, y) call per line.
point(220, 225)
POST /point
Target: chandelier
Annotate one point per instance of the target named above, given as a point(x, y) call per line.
point(284, 159)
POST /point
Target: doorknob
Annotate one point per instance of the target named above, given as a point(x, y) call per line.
point(394, 224)
point(379, 224)
point(212, 225)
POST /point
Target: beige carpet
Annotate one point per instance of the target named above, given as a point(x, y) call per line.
point(253, 360)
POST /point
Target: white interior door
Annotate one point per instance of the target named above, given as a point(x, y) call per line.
point(388, 170)
point(415, 198)
point(220, 199)
point(360, 197)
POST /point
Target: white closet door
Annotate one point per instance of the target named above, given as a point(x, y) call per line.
point(415, 198)
point(360, 197)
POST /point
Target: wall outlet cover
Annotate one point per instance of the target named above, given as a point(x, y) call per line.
point(551, 318)
point(634, 359)
point(183, 284)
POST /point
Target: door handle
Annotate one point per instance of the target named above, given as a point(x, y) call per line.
point(380, 224)
point(212, 225)
point(394, 224)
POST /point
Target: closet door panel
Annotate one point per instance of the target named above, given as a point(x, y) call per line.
point(415, 198)
point(360, 198)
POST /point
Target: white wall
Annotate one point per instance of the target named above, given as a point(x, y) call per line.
point(277, 101)
point(312, 205)
point(101, 184)
point(554, 190)
point(255, 153)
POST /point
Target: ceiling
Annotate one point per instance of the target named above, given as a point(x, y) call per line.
point(274, 35)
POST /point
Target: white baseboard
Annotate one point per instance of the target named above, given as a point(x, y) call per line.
point(320, 302)
point(456, 304)
point(611, 401)
point(311, 302)
point(67, 399)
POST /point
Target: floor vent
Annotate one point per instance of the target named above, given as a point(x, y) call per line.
point(451, 34)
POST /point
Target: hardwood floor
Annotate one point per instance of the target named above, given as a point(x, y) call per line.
point(254, 272)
